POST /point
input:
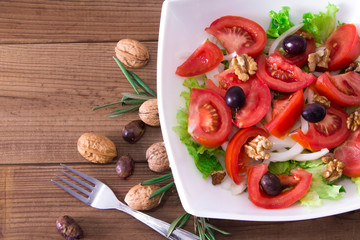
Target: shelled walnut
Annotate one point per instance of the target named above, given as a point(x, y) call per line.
point(257, 147)
point(353, 121)
point(244, 66)
point(132, 53)
point(333, 169)
point(322, 100)
point(319, 58)
point(355, 66)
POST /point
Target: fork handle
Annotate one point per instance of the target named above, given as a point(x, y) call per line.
point(156, 224)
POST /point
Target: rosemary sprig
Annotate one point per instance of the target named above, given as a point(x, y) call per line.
point(157, 179)
point(119, 112)
point(137, 96)
point(127, 75)
point(141, 84)
point(162, 190)
point(178, 221)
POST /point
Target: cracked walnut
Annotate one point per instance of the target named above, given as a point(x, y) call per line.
point(256, 148)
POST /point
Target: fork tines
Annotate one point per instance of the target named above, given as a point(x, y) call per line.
point(88, 187)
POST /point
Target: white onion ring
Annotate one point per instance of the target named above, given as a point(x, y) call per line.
point(229, 56)
point(304, 125)
point(311, 156)
point(288, 155)
point(283, 36)
point(280, 144)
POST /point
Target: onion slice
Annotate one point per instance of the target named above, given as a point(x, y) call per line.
point(283, 36)
point(230, 56)
point(311, 156)
point(288, 155)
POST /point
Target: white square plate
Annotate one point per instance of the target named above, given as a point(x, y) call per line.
point(182, 31)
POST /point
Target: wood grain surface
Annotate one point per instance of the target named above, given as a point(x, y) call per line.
point(55, 66)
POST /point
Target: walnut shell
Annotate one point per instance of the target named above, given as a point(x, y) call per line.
point(96, 148)
point(149, 113)
point(157, 157)
point(132, 53)
point(138, 197)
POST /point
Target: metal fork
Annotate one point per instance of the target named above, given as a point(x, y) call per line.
point(102, 197)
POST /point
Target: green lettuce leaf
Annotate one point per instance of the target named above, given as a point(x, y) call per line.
point(280, 22)
point(204, 158)
point(356, 180)
point(321, 25)
point(311, 199)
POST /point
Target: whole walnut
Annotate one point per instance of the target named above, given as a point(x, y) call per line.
point(132, 53)
point(157, 157)
point(149, 113)
point(96, 148)
point(138, 197)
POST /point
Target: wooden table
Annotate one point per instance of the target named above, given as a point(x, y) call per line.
point(56, 65)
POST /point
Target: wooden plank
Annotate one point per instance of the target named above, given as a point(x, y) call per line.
point(30, 204)
point(47, 92)
point(55, 21)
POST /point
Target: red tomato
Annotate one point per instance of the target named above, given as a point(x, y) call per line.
point(209, 84)
point(236, 161)
point(349, 154)
point(205, 58)
point(328, 133)
point(286, 112)
point(301, 59)
point(282, 76)
point(342, 89)
point(257, 95)
point(344, 46)
point(209, 120)
point(238, 34)
point(285, 198)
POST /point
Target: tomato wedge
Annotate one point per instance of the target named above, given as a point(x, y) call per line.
point(342, 89)
point(286, 112)
point(285, 198)
point(237, 162)
point(281, 75)
point(328, 133)
point(344, 46)
point(209, 120)
point(238, 34)
point(349, 154)
point(257, 94)
point(204, 59)
point(301, 59)
point(209, 84)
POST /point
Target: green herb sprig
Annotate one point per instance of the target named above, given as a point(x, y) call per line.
point(135, 99)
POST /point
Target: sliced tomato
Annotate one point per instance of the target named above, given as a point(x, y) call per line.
point(349, 154)
point(342, 89)
point(344, 46)
point(209, 84)
point(257, 95)
point(209, 120)
point(285, 198)
point(237, 162)
point(204, 59)
point(238, 34)
point(301, 59)
point(281, 75)
point(328, 133)
point(286, 112)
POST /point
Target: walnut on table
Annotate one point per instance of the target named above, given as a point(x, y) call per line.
point(256, 148)
point(319, 58)
point(333, 169)
point(244, 66)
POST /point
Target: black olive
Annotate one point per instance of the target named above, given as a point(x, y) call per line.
point(124, 166)
point(235, 98)
point(294, 44)
point(314, 112)
point(270, 184)
point(133, 131)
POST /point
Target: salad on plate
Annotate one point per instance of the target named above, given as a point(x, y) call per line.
point(275, 113)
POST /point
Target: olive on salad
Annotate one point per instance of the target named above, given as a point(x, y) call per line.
point(314, 112)
point(294, 44)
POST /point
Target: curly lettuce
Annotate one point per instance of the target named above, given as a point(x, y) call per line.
point(205, 158)
point(321, 25)
point(280, 22)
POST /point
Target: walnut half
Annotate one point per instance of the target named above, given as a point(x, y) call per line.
point(333, 169)
point(244, 66)
point(319, 58)
point(257, 147)
point(353, 121)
